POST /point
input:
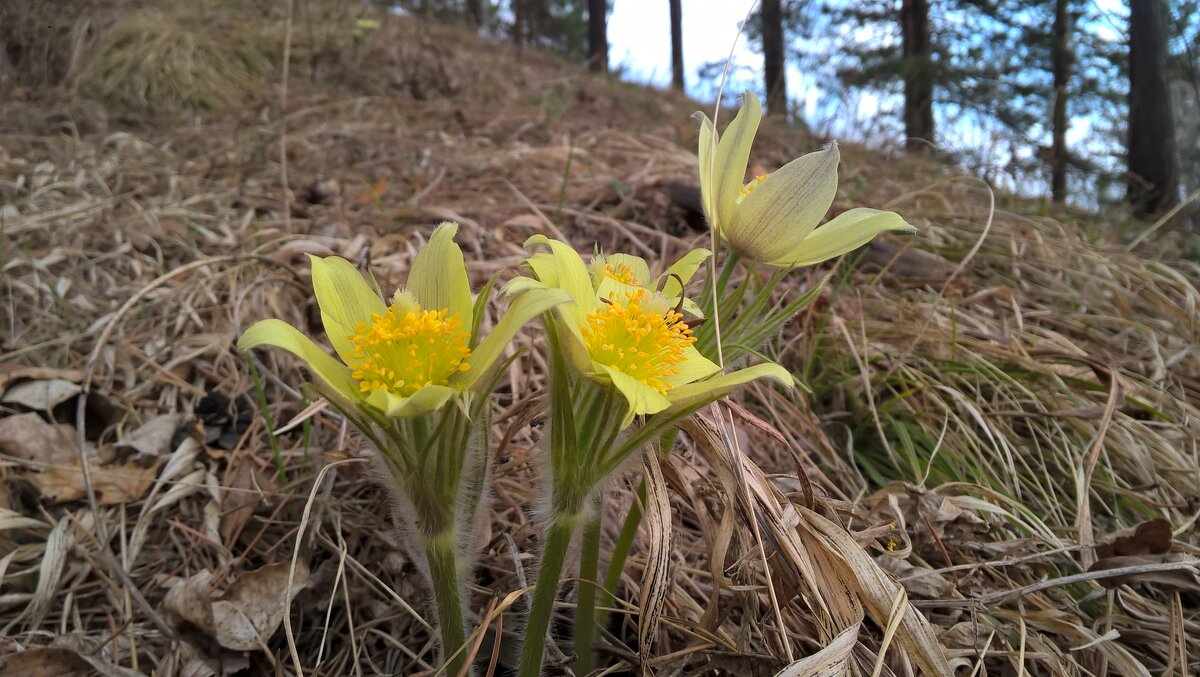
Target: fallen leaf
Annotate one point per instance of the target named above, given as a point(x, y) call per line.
point(241, 497)
point(59, 662)
point(29, 437)
point(152, 440)
point(242, 618)
point(11, 372)
point(114, 484)
point(42, 395)
point(1174, 577)
point(1152, 537)
point(54, 465)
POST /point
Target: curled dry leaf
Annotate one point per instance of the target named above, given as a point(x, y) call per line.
point(42, 395)
point(831, 661)
point(11, 372)
point(245, 616)
point(656, 581)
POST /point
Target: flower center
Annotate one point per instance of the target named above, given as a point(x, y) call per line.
point(622, 272)
point(629, 337)
point(402, 351)
point(749, 187)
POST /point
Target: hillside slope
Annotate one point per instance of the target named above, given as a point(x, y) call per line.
point(978, 420)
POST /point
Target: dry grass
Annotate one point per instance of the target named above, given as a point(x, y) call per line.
point(976, 433)
point(157, 62)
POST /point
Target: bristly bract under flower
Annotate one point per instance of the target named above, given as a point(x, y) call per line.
point(619, 332)
point(773, 219)
point(409, 357)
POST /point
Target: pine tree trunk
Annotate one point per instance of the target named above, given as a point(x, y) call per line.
point(598, 35)
point(774, 58)
point(520, 18)
point(475, 13)
point(677, 45)
point(1061, 67)
point(1153, 169)
point(918, 74)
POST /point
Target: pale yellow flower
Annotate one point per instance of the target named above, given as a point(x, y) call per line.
point(773, 219)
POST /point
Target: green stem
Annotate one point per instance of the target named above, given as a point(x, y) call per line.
point(554, 551)
point(443, 570)
point(726, 271)
point(585, 607)
point(620, 552)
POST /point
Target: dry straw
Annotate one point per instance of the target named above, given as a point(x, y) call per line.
point(964, 436)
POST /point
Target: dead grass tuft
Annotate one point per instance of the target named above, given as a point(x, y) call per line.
point(163, 62)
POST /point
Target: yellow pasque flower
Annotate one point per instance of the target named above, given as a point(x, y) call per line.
point(408, 358)
point(773, 219)
point(618, 332)
point(615, 273)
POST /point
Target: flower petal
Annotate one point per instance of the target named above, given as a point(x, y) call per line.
point(423, 401)
point(693, 368)
point(844, 233)
point(569, 273)
point(438, 278)
point(695, 395)
point(527, 306)
point(733, 154)
point(641, 270)
point(642, 398)
point(685, 269)
point(705, 155)
point(322, 365)
point(772, 221)
point(345, 299)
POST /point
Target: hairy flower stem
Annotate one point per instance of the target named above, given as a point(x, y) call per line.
point(440, 553)
point(620, 552)
point(585, 605)
point(554, 552)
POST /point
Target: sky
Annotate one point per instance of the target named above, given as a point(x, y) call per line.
point(639, 44)
point(640, 48)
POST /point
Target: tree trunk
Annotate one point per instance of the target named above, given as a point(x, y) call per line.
point(1153, 170)
point(774, 59)
point(918, 74)
point(677, 45)
point(520, 18)
point(1061, 68)
point(475, 13)
point(598, 35)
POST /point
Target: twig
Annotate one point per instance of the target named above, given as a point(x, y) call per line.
point(283, 105)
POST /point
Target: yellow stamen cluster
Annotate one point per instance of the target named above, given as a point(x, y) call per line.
point(629, 337)
point(622, 272)
point(404, 351)
point(749, 187)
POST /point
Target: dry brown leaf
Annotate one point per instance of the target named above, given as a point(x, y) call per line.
point(878, 592)
point(832, 661)
point(43, 394)
point(245, 616)
point(241, 497)
point(656, 581)
point(31, 438)
point(152, 440)
point(114, 484)
point(55, 467)
point(59, 662)
point(1152, 537)
point(1172, 578)
point(11, 372)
